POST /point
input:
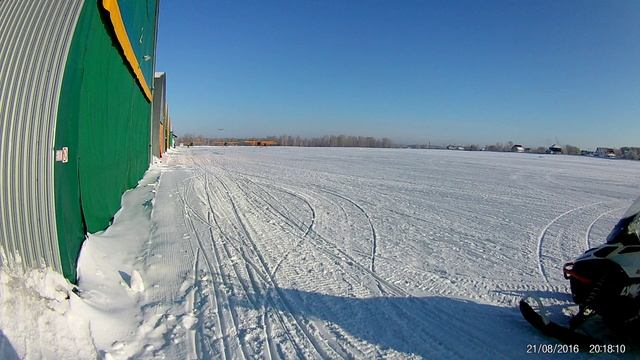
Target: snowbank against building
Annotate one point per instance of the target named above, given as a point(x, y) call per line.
point(44, 316)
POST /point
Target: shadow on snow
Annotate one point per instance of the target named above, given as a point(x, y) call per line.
point(431, 327)
point(6, 349)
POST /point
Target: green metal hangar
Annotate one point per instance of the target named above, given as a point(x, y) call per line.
point(76, 81)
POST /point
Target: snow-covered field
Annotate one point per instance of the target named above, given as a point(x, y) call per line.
point(329, 253)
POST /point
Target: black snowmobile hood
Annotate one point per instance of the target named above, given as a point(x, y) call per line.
point(627, 230)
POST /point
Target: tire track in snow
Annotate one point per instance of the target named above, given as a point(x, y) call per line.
point(261, 288)
point(266, 325)
point(289, 218)
point(310, 232)
point(542, 234)
point(232, 311)
point(200, 344)
point(252, 270)
point(224, 351)
point(298, 196)
point(340, 256)
point(221, 298)
point(294, 224)
point(374, 237)
point(339, 261)
point(191, 333)
point(318, 348)
point(395, 311)
point(327, 247)
point(212, 216)
point(217, 302)
point(587, 235)
point(292, 220)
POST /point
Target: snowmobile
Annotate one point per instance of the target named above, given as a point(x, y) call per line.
point(604, 281)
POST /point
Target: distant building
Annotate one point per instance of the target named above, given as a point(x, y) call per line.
point(161, 138)
point(554, 149)
point(259, 143)
point(604, 152)
point(517, 148)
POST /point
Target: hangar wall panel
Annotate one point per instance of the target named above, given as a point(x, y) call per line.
point(34, 41)
point(104, 118)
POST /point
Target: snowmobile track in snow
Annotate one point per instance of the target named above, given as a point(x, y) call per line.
point(262, 288)
point(339, 255)
point(327, 246)
point(318, 348)
point(223, 334)
point(256, 288)
point(374, 239)
point(587, 235)
point(315, 238)
point(543, 232)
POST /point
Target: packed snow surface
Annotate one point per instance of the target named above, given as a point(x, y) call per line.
point(241, 252)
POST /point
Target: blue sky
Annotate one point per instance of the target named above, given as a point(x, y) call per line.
point(533, 72)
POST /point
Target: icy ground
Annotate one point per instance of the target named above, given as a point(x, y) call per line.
point(239, 253)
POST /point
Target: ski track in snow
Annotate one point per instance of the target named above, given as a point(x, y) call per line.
point(354, 253)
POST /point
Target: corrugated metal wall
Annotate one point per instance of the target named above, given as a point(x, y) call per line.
point(34, 41)
point(159, 104)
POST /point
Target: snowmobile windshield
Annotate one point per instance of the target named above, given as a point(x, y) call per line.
point(627, 230)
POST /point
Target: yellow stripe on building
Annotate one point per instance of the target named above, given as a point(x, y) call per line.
point(123, 39)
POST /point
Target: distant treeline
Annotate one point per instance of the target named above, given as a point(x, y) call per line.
point(336, 141)
point(626, 152)
point(286, 140)
point(632, 153)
